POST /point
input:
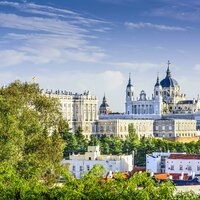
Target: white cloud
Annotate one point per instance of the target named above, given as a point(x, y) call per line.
point(111, 82)
point(160, 27)
point(46, 48)
point(197, 67)
point(181, 10)
point(51, 12)
point(61, 36)
point(11, 57)
point(50, 25)
point(135, 65)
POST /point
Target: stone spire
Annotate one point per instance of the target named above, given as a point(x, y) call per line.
point(104, 99)
point(129, 81)
point(157, 81)
point(168, 73)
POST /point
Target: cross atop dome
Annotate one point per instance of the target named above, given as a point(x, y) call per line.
point(168, 63)
point(168, 70)
point(104, 98)
point(129, 81)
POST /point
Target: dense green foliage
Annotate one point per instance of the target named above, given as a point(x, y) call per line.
point(29, 132)
point(33, 137)
point(115, 145)
point(91, 186)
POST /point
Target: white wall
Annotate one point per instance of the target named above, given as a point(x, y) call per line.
point(194, 164)
point(152, 164)
point(122, 165)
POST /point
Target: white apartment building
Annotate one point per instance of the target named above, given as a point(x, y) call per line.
point(156, 162)
point(183, 163)
point(81, 164)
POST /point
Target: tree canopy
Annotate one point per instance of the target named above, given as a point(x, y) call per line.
point(34, 137)
point(30, 140)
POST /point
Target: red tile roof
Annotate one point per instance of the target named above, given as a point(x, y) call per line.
point(185, 156)
point(175, 176)
point(138, 169)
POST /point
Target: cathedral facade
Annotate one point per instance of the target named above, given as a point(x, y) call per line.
point(167, 99)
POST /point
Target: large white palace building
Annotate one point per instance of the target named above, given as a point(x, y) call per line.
point(145, 114)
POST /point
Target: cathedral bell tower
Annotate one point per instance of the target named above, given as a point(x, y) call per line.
point(129, 96)
point(158, 101)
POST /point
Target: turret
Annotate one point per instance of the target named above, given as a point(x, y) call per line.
point(104, 107)
point(157, 90)
point(158, 103)
point(129, 96)
point(129, 91)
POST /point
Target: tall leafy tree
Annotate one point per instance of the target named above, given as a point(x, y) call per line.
point(132, 141)
point(30, 138)
point(82, 142)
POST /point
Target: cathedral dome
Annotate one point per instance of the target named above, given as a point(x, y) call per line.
point(168, 81)
point(104, 107)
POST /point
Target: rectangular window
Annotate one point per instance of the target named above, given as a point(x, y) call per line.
point(73, 168)
point(181, 167)
point(88, 167)
point(172, 167)
point(198, 168)
point(163, 128)
point(81, 168)
point(189, 167)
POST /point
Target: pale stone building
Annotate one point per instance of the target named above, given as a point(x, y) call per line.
point(119, 127)
point(183, 163)
point(104, 107)
point(144, 106)
point(156, 162)
point(171, 128)
point(170, 162)
point(80, 164)
point(167, 99)
point(79, 110)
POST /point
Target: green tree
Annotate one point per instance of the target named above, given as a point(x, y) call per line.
point(82, 142)
point(71, 144)
point(94, 141)
point(132, 142)
point(30, 140)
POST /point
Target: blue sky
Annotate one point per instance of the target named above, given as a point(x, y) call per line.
point(92, 45)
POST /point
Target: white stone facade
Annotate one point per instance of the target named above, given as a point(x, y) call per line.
point(79, 110)
point(167, 128)
point(120, 127)
point(143, 106)
point(187, 163)
point(80, 164)
point(156, 162)
point(167, 98)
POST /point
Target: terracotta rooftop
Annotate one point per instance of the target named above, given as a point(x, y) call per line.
point(185, 156)
point(175, 176)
